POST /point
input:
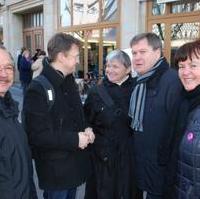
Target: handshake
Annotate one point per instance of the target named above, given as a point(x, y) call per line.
point(86, 137)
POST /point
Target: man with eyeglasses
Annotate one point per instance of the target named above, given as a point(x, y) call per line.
point(15, 157)
point(58, 137)
point(153, 108)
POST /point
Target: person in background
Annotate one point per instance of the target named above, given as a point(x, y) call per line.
point(153, 108)
point(15, 158)
point(37, 66)
point(25, 69)
point(187, 58)
point(19, 62)
point(19, 57)
point(111, 153)
point(36, 55)
point(58, 136)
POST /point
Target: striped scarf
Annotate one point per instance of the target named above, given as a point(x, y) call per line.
point(138, 97)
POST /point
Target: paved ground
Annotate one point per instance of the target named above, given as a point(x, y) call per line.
point(17, 94)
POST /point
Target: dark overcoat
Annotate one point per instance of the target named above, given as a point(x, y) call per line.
point(153, 147)
point(188, 161)
point(53, 134)
point(114, 172)
point(25, 70)
point(15, 158)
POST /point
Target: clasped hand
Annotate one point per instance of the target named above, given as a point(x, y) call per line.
point(86, 137)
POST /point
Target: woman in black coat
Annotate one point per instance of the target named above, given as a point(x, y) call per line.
point(188, 171)
point(106, 109)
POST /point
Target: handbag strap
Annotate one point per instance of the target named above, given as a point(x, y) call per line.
point(103, 93)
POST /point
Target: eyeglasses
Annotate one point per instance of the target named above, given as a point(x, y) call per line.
point(8, 68)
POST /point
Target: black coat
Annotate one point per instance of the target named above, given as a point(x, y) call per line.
point(187, 149)
point(153, 147)
point(188, 170)
point(15, 159)
point(171, 192)
point(25, 70)
point(111, 155)
point(53, 134)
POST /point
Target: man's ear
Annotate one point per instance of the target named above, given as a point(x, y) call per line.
point(60, 57)
point(158, 52)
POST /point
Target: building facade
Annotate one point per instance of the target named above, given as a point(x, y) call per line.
point(175, 21)
point(101, 25)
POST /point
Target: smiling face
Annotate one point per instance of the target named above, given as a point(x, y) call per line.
point(144, 56)
point(6, 72)
point(189, 73)
point(116, 71)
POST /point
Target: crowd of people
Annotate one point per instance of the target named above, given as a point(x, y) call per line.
point(133, 138)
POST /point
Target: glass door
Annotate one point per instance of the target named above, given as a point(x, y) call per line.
point(175, 22)
point(33, 39)
point(28, 37)
point(38, 39)
point(93, 37)
point(182, 33)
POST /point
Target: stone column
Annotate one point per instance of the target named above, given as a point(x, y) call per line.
point(133, 16)
point(50, 20)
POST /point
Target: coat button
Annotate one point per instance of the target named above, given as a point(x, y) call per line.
point(105, 159)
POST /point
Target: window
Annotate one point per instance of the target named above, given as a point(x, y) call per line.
point(159, 29)
point(78, 12)
point(182, 33)
point(185, 6)
point(109, 42)
point(95, 23)
point(174, 22)
point(85, 12)
point(28, 41)
point(65, 12)
point(109, 10)
point(38, 40)
point(180, 6)
point(33, 20)
point(158, 8)
point(80, 67)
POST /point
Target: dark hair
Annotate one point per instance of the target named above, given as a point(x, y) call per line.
point(23, 49)
point(152, 39)
point(186, 51)
point(120, 56)
point(60, 42)
point(41, 52)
